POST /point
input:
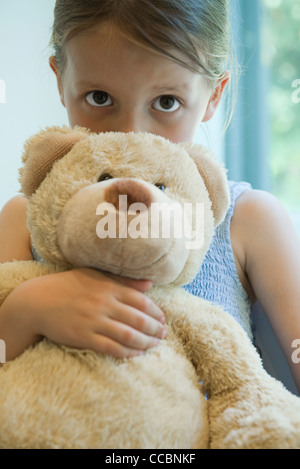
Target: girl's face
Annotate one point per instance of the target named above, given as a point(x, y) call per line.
point(112, 84)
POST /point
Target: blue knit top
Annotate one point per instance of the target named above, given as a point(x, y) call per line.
point(217, 280)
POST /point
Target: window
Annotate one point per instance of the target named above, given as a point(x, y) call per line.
point(281, 47)
point(262, 144)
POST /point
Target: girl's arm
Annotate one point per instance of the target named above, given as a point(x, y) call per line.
point(81, 308)
point(267, 249)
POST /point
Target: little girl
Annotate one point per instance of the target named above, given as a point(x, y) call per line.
point(160, 67)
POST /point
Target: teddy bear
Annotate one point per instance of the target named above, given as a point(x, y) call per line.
point(90, 204)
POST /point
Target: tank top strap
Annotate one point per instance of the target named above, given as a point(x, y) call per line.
point(236, 190)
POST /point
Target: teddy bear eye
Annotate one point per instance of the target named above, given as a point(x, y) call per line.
point(161, 186)
point(105, 177)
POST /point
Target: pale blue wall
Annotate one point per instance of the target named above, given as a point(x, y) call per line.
point(31, 98)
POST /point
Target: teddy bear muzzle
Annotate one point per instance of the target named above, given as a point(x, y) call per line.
point(131, 191)
point(126, 227)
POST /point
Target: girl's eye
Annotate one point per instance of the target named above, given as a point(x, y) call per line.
point(98, 99)
point(166, 103)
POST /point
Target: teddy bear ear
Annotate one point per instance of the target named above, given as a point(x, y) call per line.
point(42, 150)
point(214, 176)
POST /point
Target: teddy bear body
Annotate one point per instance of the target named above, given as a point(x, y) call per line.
point(204, 385)
point(80, 399)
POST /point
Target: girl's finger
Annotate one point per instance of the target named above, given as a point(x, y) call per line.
point(139, 321)
point(126, 336)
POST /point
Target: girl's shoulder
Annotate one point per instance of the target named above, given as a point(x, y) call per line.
point(258, 211)
point(18, 202)
point(14, 211)
point(260, 229)
point(14, 235)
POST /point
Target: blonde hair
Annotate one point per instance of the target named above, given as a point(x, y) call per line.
point(200, 29)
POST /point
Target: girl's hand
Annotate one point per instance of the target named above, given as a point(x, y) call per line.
point(82, 308)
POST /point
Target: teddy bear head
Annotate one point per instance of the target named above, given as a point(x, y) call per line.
point(133, 204)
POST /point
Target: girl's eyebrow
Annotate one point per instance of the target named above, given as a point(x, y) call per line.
point(89, 85)
point(172, 88)
point(159, 89)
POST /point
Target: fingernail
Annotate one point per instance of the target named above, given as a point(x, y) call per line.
point(164, 333)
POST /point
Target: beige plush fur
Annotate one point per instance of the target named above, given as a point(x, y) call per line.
point(58, 397)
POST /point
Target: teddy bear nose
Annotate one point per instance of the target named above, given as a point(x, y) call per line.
point(133, 190)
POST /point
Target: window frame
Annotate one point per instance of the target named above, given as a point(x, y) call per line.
point(247, 141)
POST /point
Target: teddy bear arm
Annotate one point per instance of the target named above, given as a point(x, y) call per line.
point(13, 274)
point(247, 407)
point(218, 347)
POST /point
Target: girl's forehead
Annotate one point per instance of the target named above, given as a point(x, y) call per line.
point(105, 46)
